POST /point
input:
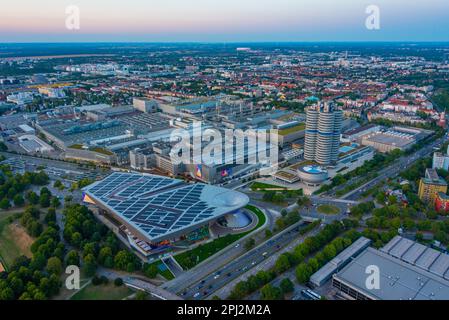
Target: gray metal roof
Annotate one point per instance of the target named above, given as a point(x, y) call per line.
point(427, 259)
point(391, 244)
point(440, 265)
point(398, 279)
point(414, 253)
point(418, 255)
point(401, 247)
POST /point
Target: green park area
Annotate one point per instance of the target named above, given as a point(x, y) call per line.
point(191, 258)
point(162, 270)
point(299, 127)
point(102, 292)
point(14, 240)
point(260, 186)
point(94, 149)
point(328, 209)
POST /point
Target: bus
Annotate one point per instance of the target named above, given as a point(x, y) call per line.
point(309, 294)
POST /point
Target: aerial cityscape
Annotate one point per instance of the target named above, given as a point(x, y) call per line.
point(199, 169)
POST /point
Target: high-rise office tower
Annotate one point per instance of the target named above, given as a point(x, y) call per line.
point(323, 128)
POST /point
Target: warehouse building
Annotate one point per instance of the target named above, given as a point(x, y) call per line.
point(407, 271)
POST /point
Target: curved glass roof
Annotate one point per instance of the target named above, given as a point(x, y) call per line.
point(160, 207)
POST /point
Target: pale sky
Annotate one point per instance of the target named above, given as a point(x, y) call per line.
point(223, 21)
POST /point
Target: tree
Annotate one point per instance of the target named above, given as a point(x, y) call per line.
point(118, 282)
point(44, 200)
point(103, 256)
point(303, 201)
point(250, 243)
point(150, 270)
point(381, 198)
point(59, 185)
point(269, 292)
point(35, 228)
point(6, 294)
point(269, 196)
point(50, 216)
point(76, 239)
point(72, 258)
point(392, 199)
point(124, 260)
point(54, 266)
point(282, 264)
point(329, 251)
point(240, 290)
point(18, 200)
point(268, 233)
point(5, 204)
point(303, 273)
point(55, 203)
point(89, 265)
point(32, 197)
point(89, 248)
point(286, 285)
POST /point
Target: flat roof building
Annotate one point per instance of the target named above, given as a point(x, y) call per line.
point(408, 271)
point(388, 141)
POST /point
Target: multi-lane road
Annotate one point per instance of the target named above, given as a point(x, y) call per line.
point(235, 269)
point(393, 170)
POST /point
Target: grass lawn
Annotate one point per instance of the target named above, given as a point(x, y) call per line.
point(191, 258)
point(328, 209)
point(165, 272)
point(14, 241)
point(102, 292)
point(294, 129)
point(258, 186)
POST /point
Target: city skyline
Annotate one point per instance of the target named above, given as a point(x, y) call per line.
point(216, 21)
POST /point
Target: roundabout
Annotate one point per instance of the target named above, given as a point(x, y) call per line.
point(328, 209)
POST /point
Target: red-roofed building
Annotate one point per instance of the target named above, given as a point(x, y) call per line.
point(442, 202)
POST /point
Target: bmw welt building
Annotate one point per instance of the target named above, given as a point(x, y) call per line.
point(155, 213)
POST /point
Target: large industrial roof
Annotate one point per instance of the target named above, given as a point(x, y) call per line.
point(419, 255)
point(159, 207)
point(400, 280)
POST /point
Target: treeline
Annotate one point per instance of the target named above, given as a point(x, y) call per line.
point(13, 186)
point(97, 246)
point(287, 219)
point(96, 243)
point(307, 268)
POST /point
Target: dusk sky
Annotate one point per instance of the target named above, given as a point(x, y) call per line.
point(223, 21)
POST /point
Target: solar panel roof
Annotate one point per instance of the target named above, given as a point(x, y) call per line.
point(160, 207)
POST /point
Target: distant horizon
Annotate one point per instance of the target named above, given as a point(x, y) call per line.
point(218, 21)
point(237, 42)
